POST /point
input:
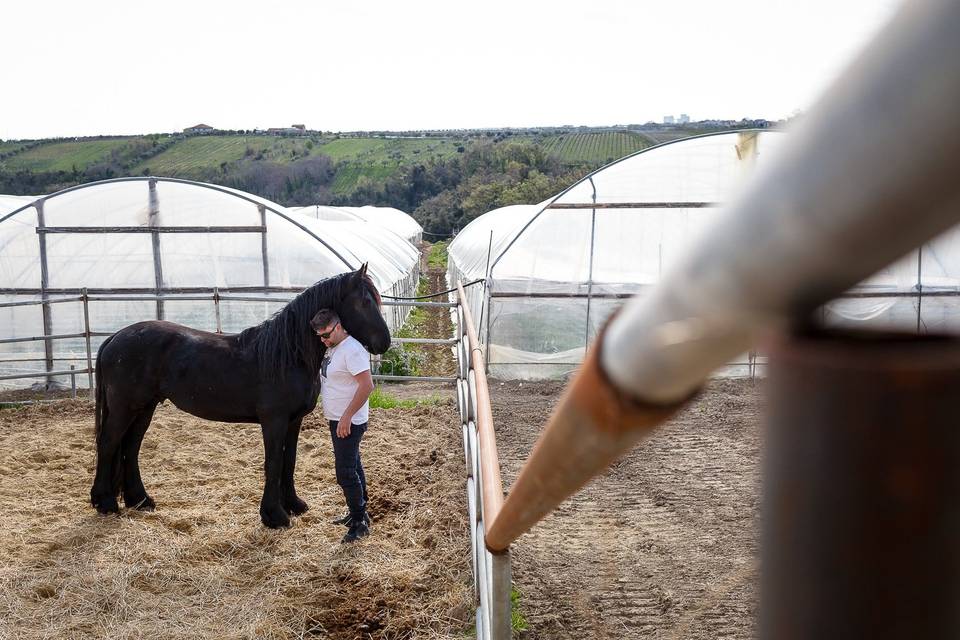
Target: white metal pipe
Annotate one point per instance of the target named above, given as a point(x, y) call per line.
point(869, 174)
point(500, 587)
point(483, 585)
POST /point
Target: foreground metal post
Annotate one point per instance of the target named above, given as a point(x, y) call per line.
point(862, 489)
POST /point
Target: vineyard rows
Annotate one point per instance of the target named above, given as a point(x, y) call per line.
point(594, 148)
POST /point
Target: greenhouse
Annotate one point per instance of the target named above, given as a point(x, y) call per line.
point(556, 271)
point(395, 220)
point(393, 262)
point(79, 264)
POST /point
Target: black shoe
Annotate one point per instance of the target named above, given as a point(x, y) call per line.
point(356, 532)
point(346, 520)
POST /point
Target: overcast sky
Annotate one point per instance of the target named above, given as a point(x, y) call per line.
point(90, 68)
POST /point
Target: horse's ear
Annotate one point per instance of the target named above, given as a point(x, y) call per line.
point(363, 269)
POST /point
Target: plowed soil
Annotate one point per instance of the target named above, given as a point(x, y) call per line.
point(664, 545)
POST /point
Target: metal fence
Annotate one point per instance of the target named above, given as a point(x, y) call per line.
point(491, 571)
point(398, 312)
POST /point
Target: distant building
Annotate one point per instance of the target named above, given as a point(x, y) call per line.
point(199, 129)
point(684, 118)
point(668, 120)
point(292, 130)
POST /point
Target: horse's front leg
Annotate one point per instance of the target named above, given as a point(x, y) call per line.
point(272, 512)
point(291, 502)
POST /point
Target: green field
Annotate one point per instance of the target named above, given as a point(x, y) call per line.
point(351, 172)
point(190, 154)
point(594, 148)
point(400, 150)
point(8, 146)
point(65, 156)
point(380, 158)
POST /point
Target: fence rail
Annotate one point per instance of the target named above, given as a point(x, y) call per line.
point(491, 571)
point(198, 294)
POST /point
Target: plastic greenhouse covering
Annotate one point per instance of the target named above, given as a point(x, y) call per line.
point(395, 220)
point(220, 259)
point(557, 270)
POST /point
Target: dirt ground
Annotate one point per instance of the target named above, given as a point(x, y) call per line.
point(202, 565)
point(662, 546)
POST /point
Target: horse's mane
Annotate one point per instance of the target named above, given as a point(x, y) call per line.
point(286, 339)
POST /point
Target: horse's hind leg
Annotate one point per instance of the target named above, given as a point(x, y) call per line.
point(107, 480)
point(291, 502)
point(134, 494)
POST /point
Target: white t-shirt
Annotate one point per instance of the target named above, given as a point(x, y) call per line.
point(337, 385)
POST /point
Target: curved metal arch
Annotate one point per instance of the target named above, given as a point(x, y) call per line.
point(590, 176)
point(256, 200)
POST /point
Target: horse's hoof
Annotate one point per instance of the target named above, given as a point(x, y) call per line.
point(144, 503)
point(275, 521)
point(296, 506)
point(105, 506)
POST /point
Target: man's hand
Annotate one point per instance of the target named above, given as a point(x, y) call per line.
point(343, 425)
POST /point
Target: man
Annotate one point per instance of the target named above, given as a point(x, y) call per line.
point(345, 386)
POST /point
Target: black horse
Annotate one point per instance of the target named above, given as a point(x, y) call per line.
point(266, 374)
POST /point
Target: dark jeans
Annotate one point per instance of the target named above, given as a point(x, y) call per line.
point(346, 455)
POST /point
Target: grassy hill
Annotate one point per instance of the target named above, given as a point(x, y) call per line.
point(374, 157)
point(43, 166)
point(67, 156)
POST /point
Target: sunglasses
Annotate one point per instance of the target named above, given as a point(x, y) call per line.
point(326, 334)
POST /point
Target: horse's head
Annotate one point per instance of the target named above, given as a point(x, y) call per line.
point(360, 312)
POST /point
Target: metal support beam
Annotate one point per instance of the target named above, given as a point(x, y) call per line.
point(263, 245)
point(631, 205)
point(97, 230)
point(44, 285)
point(86, 330)
point(153, 223)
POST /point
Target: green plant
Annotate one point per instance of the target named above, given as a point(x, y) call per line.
point(518, 622)
point(402, 360)
point(379, 399)
point(438, 255)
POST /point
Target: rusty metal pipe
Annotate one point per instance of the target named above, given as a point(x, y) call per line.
point(861, 532)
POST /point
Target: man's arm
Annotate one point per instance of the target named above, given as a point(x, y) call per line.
point(364, 389)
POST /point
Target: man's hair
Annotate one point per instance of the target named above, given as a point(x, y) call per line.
point(324, 318)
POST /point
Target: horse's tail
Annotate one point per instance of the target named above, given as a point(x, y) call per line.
point(100, 410)
point(101, 413)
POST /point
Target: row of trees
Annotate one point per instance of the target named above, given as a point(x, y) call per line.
point(445, 194)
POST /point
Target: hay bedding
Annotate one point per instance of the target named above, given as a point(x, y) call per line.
point(202, 565)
